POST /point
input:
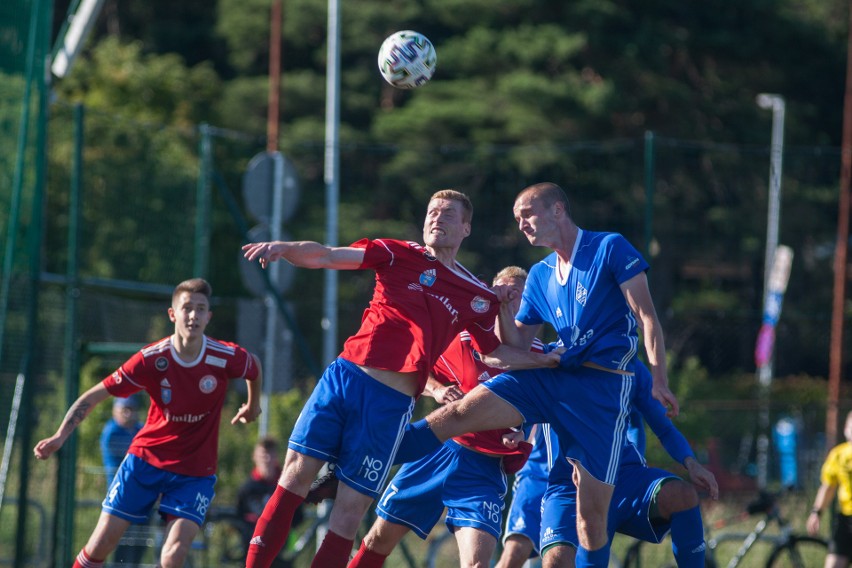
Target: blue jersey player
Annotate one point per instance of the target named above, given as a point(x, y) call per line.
point(594, 292)
point(648, 502)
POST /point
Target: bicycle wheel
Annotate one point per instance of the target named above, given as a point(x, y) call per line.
point(647, 555)
point(442, 551)
point(227, 542)
point(799, 552)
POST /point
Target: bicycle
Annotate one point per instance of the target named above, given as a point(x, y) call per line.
point(784, 549)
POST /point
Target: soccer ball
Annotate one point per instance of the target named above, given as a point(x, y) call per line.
point(407, 59)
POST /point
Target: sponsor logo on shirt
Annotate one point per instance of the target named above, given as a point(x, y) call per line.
point(215, 361)
point(428, 277)
point(581, 294)
point(548, 535)
point(632, 262)
point(161, 363)
point(166, 391)
point(207, 384)
point(189, 418)
point(480, 305)
point(446, 302)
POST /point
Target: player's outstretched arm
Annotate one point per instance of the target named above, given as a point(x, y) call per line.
point(702, 477)
point(307, 254)
point(506, 357)
point(76, 414)
point(250, 410)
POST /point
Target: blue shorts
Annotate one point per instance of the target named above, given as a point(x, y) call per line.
point(586, 408)
point(524, 517)
point(629, 510)
point(631, 502)
point(356, 422)
point(137, 485)
point(471, 485)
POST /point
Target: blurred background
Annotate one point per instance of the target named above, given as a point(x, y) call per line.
point(151, 158)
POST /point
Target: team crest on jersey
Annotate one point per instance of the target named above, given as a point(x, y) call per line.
point(117, 377)
point(161, 363)
point(428, 277)
point(581, 294)
point(480, 305)
point(207, 384)
point(166, 391)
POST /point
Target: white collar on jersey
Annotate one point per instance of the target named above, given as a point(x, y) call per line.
point(563, 278)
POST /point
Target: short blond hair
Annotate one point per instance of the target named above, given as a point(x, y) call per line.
point(453, 195)
point(510, 272)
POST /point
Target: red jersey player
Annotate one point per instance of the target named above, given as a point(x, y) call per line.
point(467, 474)
point(186, 376)
point(356, 415)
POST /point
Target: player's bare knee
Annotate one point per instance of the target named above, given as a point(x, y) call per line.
point(591, 531)
point(676, 496)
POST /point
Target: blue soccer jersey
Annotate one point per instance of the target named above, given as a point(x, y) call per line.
point(586, 306)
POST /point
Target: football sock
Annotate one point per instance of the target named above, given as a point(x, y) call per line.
point(598, 558)
point(334, 551)
point(688, 538)
point(366, 558)
point(83, 560)
point(272, 528)
point(418, 441)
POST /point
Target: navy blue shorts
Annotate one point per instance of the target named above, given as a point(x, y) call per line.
point(137, 485)
point(524, 516)
point(356, 422)
point(472, 486)
point(586, 408)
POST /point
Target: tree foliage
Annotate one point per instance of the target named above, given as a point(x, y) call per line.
point(525, 90)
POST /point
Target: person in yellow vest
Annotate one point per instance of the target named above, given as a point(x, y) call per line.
point(836, 477)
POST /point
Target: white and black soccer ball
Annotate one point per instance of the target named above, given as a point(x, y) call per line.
point(407, 59)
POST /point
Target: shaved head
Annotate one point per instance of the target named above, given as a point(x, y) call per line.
point(547, 193)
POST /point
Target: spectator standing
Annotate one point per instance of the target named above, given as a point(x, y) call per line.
point(836, 479)
point(116, 437)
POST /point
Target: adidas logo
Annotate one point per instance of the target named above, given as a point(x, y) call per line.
point(257, 541)
point(165, 383)
point(700, 548)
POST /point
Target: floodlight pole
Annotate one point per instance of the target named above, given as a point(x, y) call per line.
point(775, 103)
point(75, 36)
point(332, 184)
point(838, 309)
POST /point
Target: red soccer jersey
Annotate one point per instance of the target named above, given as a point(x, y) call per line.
point(181, 434)
point(419, 305)
point(460, 364)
